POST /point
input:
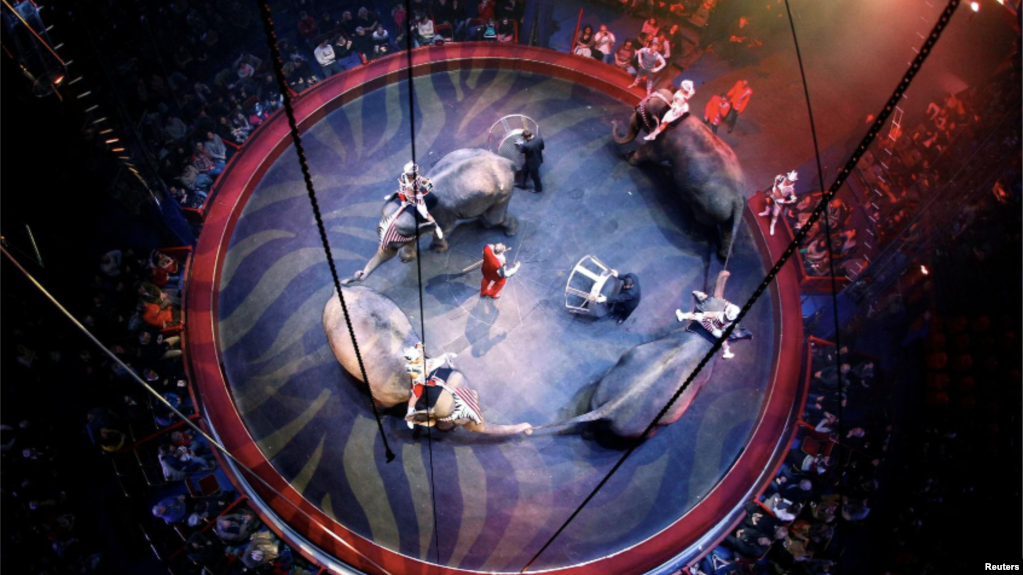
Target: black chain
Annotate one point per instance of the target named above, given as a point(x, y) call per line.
point(876, 127)
point(278, 66)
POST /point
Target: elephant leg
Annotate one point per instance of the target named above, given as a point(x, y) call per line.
point(439, 244)
point(498, 215)
point(644, 154)
point(382, 255)
point(407, 253)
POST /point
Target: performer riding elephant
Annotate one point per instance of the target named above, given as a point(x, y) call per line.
point(385, 338)
point(632, 393)
point(466, 184)
point(704, 169)
point(446, 402)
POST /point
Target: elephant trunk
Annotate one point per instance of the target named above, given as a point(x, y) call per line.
point(496, 429)
point(631, 134)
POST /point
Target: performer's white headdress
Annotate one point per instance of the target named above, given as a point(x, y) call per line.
point(731, 312)
point(411, 168)
point(792, 176)
point(687, 87)
point(411, 353)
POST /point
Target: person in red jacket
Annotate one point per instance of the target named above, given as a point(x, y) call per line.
point(739, 97)
point(717, 109)
point(307, 27)
point(495, 270)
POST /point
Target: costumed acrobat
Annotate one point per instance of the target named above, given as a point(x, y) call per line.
point(782, 193)
point(679, 107)
point(412, 191)
point(431, 372)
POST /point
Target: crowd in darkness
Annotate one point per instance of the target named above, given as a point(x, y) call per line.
point(826, 480)
point(896, 177)
point(197, 80)
point(188, 514)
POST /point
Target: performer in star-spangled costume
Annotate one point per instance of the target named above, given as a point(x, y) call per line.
point(412, 191)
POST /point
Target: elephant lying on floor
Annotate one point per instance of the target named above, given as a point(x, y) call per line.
point(635, 389)
point(383, 333)
point(704, 169)
point(467, 184)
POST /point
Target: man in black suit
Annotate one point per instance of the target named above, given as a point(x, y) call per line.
point(626, 301)
point(532, 149)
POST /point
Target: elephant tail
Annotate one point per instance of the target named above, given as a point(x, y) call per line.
point(631, 134)
point(738, 207)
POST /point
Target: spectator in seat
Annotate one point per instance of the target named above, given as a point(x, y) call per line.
point(604, 43)
point(242, 125)
point(424, 31)
point(486, 9)
point(235, 527)
point(651, 28)
point(490, 30)
point(327, 23)
point(348, 24)
point(399, 14)
point(307, 27)
point(443, 12)
point(584, 43)
point(749, 543)
point(625, 56)
point(505, 31)
point(204, 162)
point(662, 42)
point(367, 19)
point(171, 509)
point(193, 179)
point(175, 129)
point(362, 42)
point(324, 54)
point(200, 550)
point(381, 41)
point(214, 146)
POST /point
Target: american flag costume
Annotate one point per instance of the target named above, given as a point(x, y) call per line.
point(466, 406)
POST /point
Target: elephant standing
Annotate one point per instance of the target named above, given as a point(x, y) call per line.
point(383, 332)
point(467, 184)
point(645, 378)
point(704, 169)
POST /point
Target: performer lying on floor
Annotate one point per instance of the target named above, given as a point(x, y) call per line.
point(418, 366)
point(714, 315)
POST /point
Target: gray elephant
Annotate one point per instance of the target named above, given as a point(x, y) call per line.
point(467, 184)
point(384, 333)
point(635, 389)
point(704, 169)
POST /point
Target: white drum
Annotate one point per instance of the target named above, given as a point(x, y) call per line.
point(506, 134)
point(589, 279)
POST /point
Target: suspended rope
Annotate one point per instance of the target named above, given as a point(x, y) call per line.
point(125, 368)
point(419, 268)
point(296, 138)
point(800, 236)
point(826, 201)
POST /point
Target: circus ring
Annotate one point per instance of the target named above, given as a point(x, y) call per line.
point(273, 394)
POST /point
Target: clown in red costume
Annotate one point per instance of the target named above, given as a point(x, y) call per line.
point(495, 270)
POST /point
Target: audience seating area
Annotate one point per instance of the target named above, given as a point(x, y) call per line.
point(789, 527)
